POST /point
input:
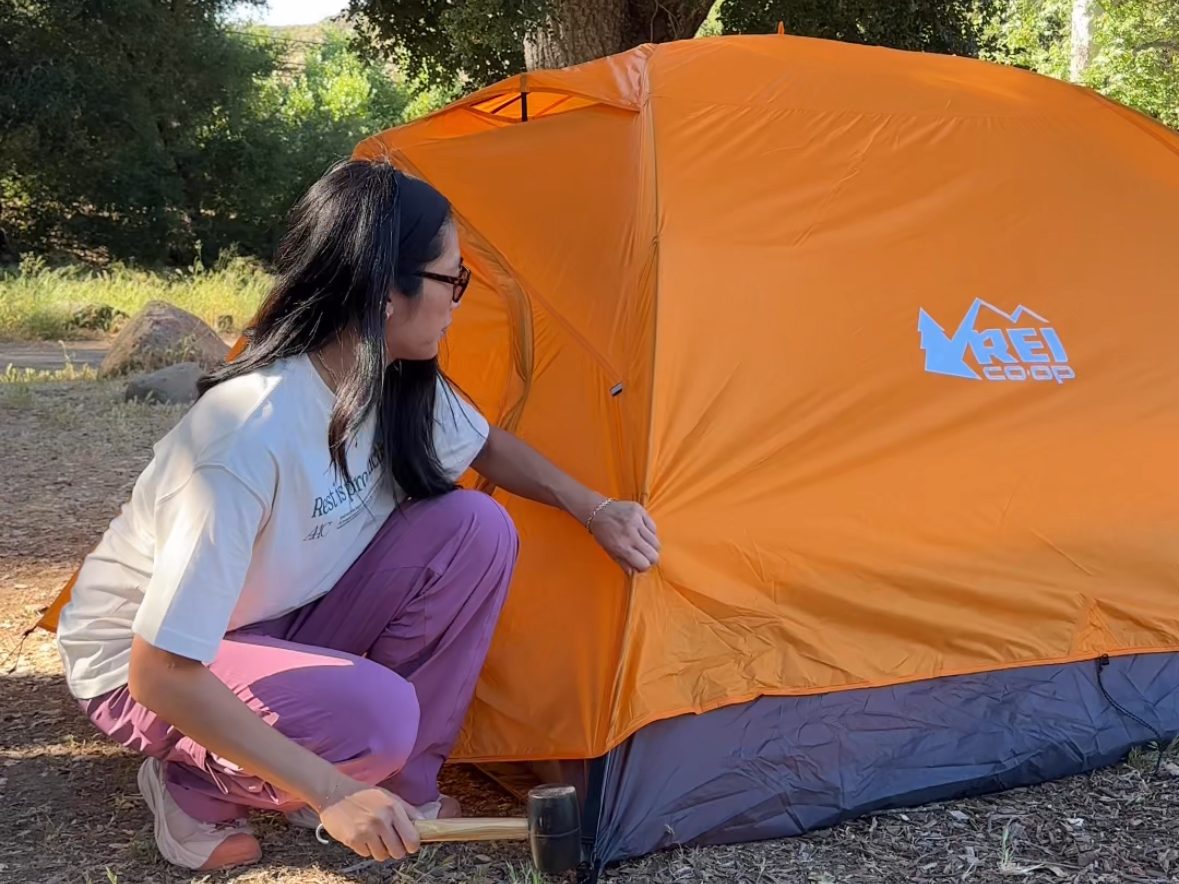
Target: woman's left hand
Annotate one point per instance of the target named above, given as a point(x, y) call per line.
point(627, 533)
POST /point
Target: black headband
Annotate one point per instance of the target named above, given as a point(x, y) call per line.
point(421, 211)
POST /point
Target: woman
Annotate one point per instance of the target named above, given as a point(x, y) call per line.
point(292, 610)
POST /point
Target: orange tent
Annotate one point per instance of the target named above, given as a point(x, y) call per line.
point(700, 273)
point(884, 343)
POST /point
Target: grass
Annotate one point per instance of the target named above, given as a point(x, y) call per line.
point(16, 395)
point(1152, 757)
point(39, 302)
point(13, 378)
point(525, 876)
point(15, 383)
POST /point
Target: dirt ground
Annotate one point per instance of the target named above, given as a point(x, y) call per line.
point(47, 356)
point(69, 454)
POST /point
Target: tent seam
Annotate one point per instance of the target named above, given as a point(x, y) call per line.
point(644, 479)
point(531, 293)
point(646, 721)
point(702, 708)
point(1134, 118)
point(643, 490)
point(887, 115)
point(649, 105)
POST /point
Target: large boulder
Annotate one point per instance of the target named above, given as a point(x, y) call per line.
point(176, 384)
point(161, 335)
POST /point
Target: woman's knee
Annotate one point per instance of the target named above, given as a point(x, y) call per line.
point(367, 716)
point(390, 718)
point(483, 521)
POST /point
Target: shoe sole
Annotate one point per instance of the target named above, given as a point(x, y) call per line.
point(151, 787)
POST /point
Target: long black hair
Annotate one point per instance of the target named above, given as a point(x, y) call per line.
point(361, 231)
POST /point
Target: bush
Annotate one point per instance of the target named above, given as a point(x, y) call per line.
point(151, 131)
point(39, 302)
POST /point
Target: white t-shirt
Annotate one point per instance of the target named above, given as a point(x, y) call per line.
point(240, 517)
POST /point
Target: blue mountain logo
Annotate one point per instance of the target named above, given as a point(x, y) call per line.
point(1023, 346)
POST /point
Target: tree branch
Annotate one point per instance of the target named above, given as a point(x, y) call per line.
point(658, 21)
point(1171, 47)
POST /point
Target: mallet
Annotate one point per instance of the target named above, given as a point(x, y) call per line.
point(552, 829)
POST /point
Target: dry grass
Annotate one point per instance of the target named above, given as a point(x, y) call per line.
point(70, 452)
point(21, 377)
point(38, 302)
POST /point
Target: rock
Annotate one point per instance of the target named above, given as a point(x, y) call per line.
point(161, 335)
point(174, 384)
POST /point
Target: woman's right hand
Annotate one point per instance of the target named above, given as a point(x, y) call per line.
point(372, 821)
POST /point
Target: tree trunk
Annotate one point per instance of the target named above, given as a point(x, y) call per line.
point(1081, 39)
point(577, 31)
point(582, 30)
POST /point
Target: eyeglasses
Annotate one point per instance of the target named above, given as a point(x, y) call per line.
point(459, 283)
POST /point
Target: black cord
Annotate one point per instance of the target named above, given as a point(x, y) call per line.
point(1160, 740)
point(14, 654)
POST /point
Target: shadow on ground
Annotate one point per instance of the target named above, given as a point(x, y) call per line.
point(73, 812)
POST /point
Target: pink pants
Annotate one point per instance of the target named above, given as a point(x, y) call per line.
point(375, 676)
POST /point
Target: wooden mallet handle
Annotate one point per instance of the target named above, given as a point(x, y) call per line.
point(552, 828)
point(472, 829)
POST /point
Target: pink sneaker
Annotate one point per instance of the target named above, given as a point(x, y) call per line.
point(190, 843)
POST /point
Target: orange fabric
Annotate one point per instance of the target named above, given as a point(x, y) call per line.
point(49, 617)
point(742, 234)
point(705, 282)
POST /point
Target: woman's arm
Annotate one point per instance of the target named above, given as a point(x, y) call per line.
point(205, 530)
point(372, 821)
point(622, 528)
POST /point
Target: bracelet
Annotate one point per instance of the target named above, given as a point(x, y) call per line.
point(601, 506)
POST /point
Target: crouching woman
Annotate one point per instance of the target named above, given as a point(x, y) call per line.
point(291, 612)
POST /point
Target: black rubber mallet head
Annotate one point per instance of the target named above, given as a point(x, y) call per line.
point(552, 829)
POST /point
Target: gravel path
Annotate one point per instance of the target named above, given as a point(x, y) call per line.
point(51, 356)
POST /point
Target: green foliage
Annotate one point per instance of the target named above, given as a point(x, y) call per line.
point(38, 302)
point(152, 130)
point(1135, 54)
point(1134, 57)
point(1032, 34)
point(149, 130)
point(304, 116)
point(481, 41)
point(333, 87)
point(105, 105)
point(947, 26)
point(712, 24)
point(441, 43)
